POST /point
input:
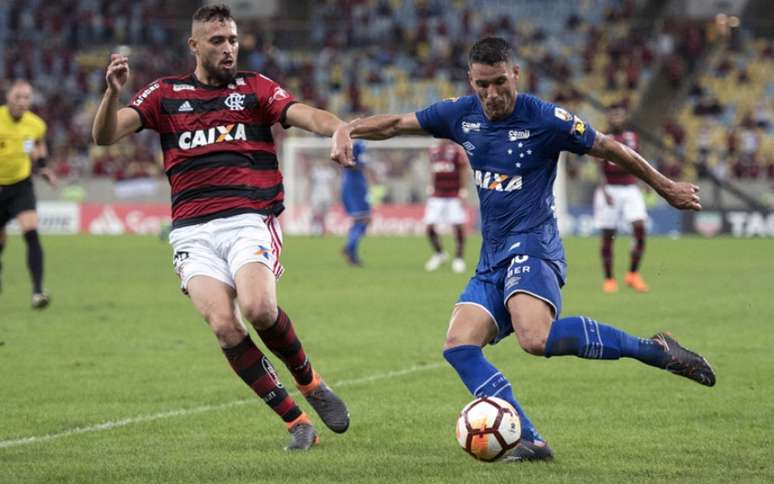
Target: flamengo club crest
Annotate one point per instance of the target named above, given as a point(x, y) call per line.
point(235, 101)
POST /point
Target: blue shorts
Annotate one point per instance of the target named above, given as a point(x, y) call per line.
point(492, 289)
point(356, 202)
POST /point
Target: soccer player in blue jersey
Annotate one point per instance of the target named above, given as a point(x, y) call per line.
point(354, 196)
point(513, 142)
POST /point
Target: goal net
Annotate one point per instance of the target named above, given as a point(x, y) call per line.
point(398, 171)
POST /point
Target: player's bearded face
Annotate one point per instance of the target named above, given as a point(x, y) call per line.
point(217, 48)
point(495, 86)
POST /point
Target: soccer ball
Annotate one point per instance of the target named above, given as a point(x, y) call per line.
point(487, 428)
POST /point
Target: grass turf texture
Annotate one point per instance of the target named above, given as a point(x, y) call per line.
point(119, 341)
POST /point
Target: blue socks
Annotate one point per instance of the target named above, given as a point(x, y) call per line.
point(483, 379)
point(586, 338)
point(356, 233)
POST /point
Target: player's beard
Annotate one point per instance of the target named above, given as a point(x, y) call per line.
point(222, 75)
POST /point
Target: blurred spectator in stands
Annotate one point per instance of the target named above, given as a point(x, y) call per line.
point(707, 105)
point(732, 143)
point(676, 133)
point(762, 115)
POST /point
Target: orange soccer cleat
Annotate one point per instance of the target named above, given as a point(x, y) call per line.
point(635, 281)
point(610, 286)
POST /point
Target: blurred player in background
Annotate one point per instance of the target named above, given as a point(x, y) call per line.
point(354, 196)
point(444, 207)
point(322, 177)
point(22, 144)
point(618, 199)
point(513, 142)
point(227, 192)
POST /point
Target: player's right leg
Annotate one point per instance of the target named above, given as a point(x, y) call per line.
point(439, 256)
point(607, 237)
point(606, 220)
point(28, 223)
point(633, 278)
point(471, 328)
point(215, 302)
point(2, 248)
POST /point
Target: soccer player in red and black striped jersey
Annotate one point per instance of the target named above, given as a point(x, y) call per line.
point(444, 207)
point(618, 199)
point(219, 157)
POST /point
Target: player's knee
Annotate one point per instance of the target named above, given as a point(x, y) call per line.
point(532, 340)
point(226, 328)
point(452, 341)
point(261, 313)
point(533, 346)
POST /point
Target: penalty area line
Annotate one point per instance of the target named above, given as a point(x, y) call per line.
point(113, 424)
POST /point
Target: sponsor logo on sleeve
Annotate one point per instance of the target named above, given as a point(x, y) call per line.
point(144, 95)
point(578, 126)
point(279, 95)
point(562, 114)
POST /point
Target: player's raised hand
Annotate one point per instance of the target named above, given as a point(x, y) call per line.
point(683, 195)
point(117, 72)
point(341, 146)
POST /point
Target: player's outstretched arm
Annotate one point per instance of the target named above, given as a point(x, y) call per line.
point(379, 127)
point(111, 123)
point(680, 195)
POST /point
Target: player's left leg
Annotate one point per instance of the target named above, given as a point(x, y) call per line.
point(356, 232)
point(580, 336)
point(28, 223)
point(257, 298)
point(633, 278)
point(533, 302)
point(458, 264)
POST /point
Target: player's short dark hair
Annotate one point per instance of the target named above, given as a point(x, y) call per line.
point(209, 13)
point(490, 51)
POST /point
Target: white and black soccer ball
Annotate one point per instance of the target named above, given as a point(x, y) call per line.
point(487, 428)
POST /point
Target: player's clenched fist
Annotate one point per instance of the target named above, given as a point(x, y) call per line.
point(117, 72)
point(683, 195)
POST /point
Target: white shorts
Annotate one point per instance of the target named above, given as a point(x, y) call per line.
point(220, 247)
point(444, 210)
point(628, 206)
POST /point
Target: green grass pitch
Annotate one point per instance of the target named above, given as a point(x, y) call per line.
point(120, 381)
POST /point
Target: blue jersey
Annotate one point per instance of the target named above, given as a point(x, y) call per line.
point(514, 162)
point(354, 187)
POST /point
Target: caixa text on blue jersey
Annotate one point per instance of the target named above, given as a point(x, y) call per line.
point(495, 181)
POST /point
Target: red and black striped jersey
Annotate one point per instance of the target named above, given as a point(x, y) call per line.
point(219, 153)
point(447, 162)
point(614, 174)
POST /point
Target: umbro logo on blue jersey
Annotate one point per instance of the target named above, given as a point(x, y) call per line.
point(469, 147)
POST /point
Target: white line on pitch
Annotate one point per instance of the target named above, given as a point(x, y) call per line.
point(35, 439)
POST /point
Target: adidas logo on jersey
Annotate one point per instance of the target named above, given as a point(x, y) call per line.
point(185, 108)
point(497, 182)
point(218, 134)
